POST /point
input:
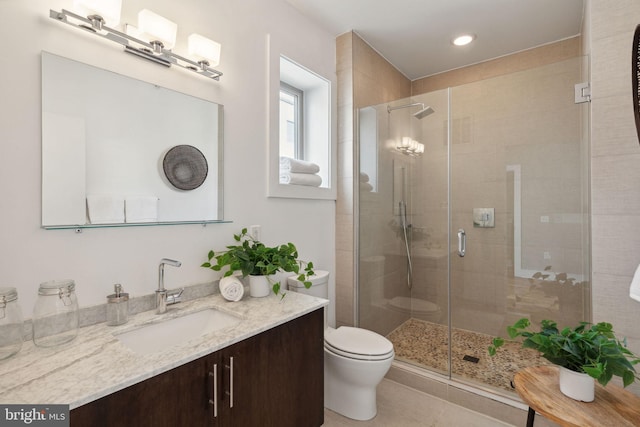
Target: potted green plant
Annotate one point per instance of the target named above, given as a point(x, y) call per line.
point(260, 262)
point(594, 352)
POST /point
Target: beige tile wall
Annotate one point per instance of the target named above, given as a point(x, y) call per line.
point(345, 203)
point(364, 78)
point(527, 119)
point(499, 137)
point(525, 60)
point(615, 168)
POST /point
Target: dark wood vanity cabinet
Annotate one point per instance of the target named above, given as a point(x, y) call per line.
point(272, 379)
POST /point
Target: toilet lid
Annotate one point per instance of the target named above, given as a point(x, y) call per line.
point(358, 343)
point(413, 304)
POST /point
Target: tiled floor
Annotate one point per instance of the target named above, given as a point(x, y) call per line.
point(426, 344)
point(401, 406)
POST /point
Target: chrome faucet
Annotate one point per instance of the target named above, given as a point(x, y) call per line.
point(163, 296)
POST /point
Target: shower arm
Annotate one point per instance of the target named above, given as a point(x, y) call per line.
point(422, 113)
point(398, 107)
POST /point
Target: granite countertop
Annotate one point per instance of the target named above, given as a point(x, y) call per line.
point(96, 363)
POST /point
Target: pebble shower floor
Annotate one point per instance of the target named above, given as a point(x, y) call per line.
point(426, 344)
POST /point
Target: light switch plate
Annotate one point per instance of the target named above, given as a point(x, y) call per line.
point(484, 217)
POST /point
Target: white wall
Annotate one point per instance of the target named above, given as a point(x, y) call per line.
point(98, 258)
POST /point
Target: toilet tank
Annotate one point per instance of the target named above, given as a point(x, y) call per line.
point(319, 284)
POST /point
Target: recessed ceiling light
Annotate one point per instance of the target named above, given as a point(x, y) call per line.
point(463, 40)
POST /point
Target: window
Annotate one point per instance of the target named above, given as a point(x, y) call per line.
point(301, 138)
point(291, 120)
point(304, 118)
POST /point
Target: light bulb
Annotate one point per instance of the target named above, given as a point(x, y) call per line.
point(154, 27)
point(405, 142)
point(202, 48)
point(463, 40)
point(109, 10)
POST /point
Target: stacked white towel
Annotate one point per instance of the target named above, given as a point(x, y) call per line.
point(299, 172)
point(365, 186)
point(105, 209)
point(231, 288)
point(312, 180)
point(141, 209)
point(287, 164)
point(634, 290)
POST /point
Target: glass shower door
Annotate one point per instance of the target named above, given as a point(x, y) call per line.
point(403, 243)
point(505, 172)
point(518, 202)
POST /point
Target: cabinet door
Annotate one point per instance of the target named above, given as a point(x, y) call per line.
point(272, 379)
point(178, 397)
point(278, 376)
point(245, 389)
point(295, 360)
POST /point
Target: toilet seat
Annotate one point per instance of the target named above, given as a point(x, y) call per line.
point(357, 343)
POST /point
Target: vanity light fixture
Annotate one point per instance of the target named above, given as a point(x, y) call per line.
point(463, 39)
point(411, 147)
point(152, 40)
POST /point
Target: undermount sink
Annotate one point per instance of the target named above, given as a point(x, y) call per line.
point(159, 336)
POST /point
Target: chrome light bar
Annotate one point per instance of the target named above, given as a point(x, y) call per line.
point(153, 51)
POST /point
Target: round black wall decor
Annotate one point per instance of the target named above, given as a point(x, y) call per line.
point(185, 167)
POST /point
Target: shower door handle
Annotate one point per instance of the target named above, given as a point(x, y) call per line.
point(462, 242)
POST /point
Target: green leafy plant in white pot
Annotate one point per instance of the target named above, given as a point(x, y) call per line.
point(585, 353)
point(260, 262)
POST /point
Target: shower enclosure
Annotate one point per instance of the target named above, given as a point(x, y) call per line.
point(473, 215)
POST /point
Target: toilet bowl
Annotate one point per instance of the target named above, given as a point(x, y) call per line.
point(355, 360)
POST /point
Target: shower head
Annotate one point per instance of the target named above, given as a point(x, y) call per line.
point(424, 111)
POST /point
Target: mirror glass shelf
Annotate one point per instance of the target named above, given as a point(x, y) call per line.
point(120, 152)
point(133, 224)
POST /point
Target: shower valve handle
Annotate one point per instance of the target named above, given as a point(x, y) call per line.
point(462, 242)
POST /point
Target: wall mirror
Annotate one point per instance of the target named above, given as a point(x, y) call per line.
point(117, 151)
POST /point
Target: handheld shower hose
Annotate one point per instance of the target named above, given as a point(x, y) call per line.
point(402, 206)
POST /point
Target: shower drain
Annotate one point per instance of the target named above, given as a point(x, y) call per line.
point(469, 358)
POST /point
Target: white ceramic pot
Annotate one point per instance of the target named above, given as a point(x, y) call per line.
point(577, 385)
point(259, 286)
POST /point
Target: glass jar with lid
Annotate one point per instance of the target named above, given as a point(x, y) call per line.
point(11, 326)
point(55, 315)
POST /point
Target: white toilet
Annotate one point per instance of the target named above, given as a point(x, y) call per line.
point(355, 360)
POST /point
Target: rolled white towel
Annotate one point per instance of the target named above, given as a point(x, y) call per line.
point(141, 209)
point(231, 288)
point(105, 209)
point(287, 164)
point(300, 179)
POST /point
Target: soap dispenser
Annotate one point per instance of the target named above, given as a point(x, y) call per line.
point(117, 306)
